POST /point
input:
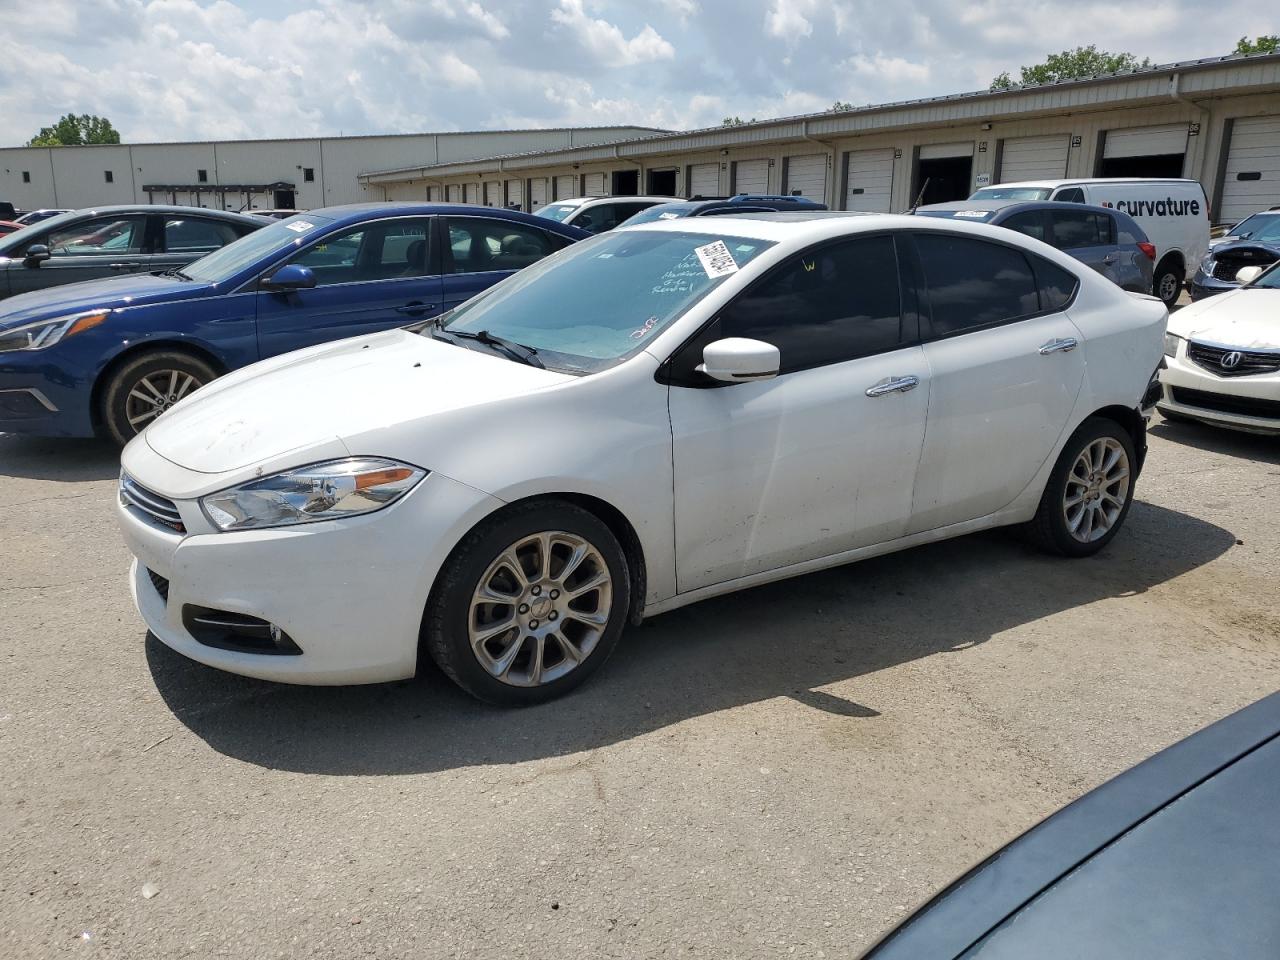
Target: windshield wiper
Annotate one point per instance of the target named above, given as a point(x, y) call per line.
point(175, 272)
point(516, 351)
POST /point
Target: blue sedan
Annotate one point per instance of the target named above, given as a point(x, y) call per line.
point(108, 356)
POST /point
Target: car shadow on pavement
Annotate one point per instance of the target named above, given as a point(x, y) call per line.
point(1207, 437)
point(785, 639)
point(61, 460)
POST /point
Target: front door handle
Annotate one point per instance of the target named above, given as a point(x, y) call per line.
point(1059, 345)
point(893, 385)
point(413, 309)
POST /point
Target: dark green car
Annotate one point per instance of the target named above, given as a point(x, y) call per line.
point(112, 241)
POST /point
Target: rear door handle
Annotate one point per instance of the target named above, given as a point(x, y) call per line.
point(893, 385)
point(413, 309)
point(1059, 345)
point(1111, 258)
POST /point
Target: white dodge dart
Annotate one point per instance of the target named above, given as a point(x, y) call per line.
point(1223, 357)
point(648, 418)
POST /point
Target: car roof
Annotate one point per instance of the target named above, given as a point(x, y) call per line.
point(1117, 840)
point(159, 208)
point(584, 201)
point(1011, 207)
point(1085, 181)
point(355, 212)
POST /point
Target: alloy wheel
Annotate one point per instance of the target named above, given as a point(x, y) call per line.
point(155, 393)
point(1097, 489)
point(540, 608)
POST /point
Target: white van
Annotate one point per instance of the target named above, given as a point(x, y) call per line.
point(1174, 214)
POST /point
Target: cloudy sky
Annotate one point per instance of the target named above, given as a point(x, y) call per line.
point(210, 69)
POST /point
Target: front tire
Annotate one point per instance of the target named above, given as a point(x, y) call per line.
point(1089, 492)
point(530, 604)
point(148, 385)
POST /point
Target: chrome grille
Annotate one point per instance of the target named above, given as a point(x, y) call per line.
point(1210, 356)
point(150, 505)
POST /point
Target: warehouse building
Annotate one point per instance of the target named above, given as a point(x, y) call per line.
point(1216, 121)
point(255, 174)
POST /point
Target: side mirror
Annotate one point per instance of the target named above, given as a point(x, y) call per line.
point(738, 360)
point(1248, 274)
point(290, 277)
point(36, 254)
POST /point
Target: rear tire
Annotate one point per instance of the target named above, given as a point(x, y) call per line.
point(1167, 283)
point(148, 385)
point(1089, 492)
point(529, 605)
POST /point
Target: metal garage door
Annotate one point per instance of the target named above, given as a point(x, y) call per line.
point(454, 192)
point(537, 193)
point(704, 180)
point(1146, 141)
point(1252, 182)
point(943, 151)
point(566, 187)
point(433, 194)
point(515, 193)
point(751, 176)
point(1033, 158)
point(493, 193)
point(807, 176)
point(472, 192)
point(594, 185)
point(870, 182)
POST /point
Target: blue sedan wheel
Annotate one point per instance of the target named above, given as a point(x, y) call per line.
point(145, 387)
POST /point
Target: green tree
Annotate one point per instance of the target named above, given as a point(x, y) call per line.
point(1071, 65)
point(72, 130)
point(1267, 44)
point(735, 121)
point(840, 106)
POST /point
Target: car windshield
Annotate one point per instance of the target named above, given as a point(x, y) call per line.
point(662, 211)
point(1011, 193)
point(222, 265)
point(556, 211)
point(1269, 280)
point(1261, 226)
point(597, 302)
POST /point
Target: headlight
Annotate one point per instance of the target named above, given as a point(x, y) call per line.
point(1171, 345)
point(45, 333)
point(322, 491)
point(1206, 265)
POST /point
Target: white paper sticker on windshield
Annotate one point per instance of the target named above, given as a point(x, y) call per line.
point(300, 226)
point(976, 214)
point(716, 259)
point(668, 216)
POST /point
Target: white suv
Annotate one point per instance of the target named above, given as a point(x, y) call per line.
point(645, 419)
point(598, 214)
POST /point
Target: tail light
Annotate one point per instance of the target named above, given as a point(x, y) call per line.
point(1149, 249)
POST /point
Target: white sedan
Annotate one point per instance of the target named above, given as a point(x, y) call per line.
point(655, 416)
point(1223, 357)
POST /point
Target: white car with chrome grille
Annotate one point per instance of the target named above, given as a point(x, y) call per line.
point(660, 414)
point(1223, 357)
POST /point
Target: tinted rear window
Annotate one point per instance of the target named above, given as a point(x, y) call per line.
point(974, 283)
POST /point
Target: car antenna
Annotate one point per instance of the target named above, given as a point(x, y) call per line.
point(920, 196)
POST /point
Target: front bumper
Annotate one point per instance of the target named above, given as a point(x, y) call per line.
point(41, 397)
point(1250, 403)
point(350, 593)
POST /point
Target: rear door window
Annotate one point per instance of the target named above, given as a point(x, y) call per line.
point(1069, 195)
point(973, 284)
point(480, 245)
point(1073, 229)
point(1029, 224)
point(196, 235)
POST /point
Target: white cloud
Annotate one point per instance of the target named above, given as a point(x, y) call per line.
point(890, 69)
point(607, 42)
point(788, 20)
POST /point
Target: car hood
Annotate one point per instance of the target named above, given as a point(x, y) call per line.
point(280, 409)
point(112, 292)
point(1247, 318)
point(1224, 245)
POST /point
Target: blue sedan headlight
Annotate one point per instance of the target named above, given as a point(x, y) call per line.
point(45, 333)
